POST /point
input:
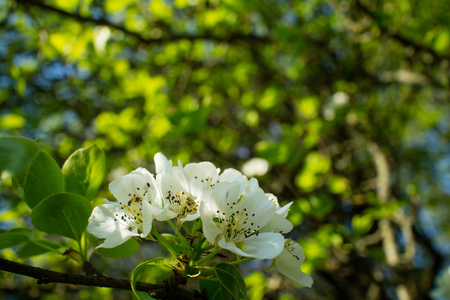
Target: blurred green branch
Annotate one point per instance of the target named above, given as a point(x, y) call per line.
point(404, 40)
point(229, 38)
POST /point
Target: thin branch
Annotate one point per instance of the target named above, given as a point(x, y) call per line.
point(229, 38)
point(405, 41)
point(44, 276)
point(386, 230)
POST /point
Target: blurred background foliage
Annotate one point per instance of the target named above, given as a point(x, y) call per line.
point(346, 100)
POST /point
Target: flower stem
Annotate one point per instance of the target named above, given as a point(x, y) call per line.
point(207, 257)
point(162, 241)
point(186, 228)
point(241, 261)
point(80, 247)
point(86, 246)
point(181, 237)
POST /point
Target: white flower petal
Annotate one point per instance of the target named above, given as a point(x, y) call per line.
point(283, 211)
point(163, 214)
point(190, 217)
point(202, 171)
point(279, 224)
point(161, 163)
point(202, 177)
point(288, 263)
point(207, 214)
point(231, 175)
point(176, 194)
point(138, 183)
point(235, 221)
point(147, 218)
point(253, 186)
point(261, 209)
point(231, 246)
point(116, 238)
point(224, 196)
point(102, 221)
point(266, 245)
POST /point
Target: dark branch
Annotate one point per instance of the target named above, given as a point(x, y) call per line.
point(46, 276)
point(229, 38)
point(170, 290)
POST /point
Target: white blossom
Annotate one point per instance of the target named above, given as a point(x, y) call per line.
point(233, 220)
point(116, 222)
point(176, 199)
point(289, 261)
point(203, 176)
point(278, 223)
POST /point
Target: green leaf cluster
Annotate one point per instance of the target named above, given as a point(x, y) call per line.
point(58, 199)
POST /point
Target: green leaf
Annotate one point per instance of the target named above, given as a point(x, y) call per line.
point(37, 247)
point(65, 214)
point(16, 154)
point(362, 224)
point(143, 296)
point(121, 251)
point(138, 270)
point(214, 289)
point(83, 171)
point(44, 178)
point(14, 237)
point(232, 280)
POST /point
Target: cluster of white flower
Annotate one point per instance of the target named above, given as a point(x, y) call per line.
point(236, 213)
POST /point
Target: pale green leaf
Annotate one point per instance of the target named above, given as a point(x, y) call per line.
point(83, 171)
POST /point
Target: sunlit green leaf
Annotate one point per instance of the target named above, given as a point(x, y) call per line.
point(362, 223)
point(142, 296)
point(256, 283)
point(65, 214)
point(338, 184)
point(83, 171)
point(140, 268)
point(308, 107)
point(44, 178)
point(16, 154)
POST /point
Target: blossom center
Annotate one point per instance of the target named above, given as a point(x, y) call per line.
point(208, 182)
point(132, 213)
point(181, 203)
point(236, 225)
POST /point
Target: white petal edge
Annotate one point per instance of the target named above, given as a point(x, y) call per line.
point(101, 222)
point(265, 245)
point(289, 266)
point(116, 238)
